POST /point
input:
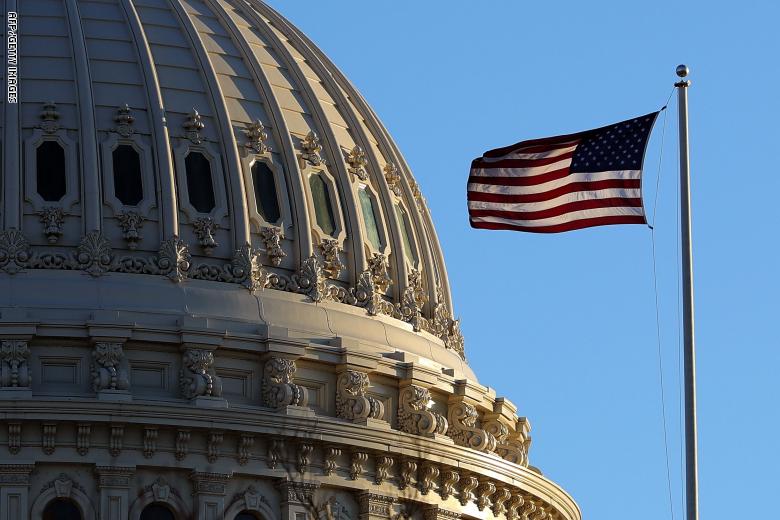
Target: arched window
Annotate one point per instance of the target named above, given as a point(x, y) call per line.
point(265, 192)
point(61, 509)
point(246, 515)
point(157, 512)
point(370, 219)
point(199, 184)
point(406, 234)
point(128, 186)
point(50, 174)
point(323, 207)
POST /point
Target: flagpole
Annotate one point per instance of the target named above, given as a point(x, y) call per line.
point(689, 357)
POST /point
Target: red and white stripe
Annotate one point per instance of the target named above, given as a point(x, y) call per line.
point(529, 187)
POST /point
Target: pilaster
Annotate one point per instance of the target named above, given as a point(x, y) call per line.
point(14, 491)
point(114, 487)
point(297, 499)
point(209, 494)
point(374, 506)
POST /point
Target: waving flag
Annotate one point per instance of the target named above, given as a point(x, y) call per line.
point(555, 184)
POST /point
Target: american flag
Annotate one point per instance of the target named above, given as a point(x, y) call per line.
point(562, 183)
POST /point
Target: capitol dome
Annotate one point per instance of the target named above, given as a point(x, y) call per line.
point(222, 294)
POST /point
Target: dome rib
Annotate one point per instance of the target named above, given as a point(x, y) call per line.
point(165, 184)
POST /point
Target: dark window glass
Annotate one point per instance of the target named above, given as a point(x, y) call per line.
point(157, 512)
point(369, 217)
point(128, 186)
point(199, 184)
point(61, 509)
point(245, 515)
point(323, 209)
point(265, 192)
point(406, 235)
point(50, 161)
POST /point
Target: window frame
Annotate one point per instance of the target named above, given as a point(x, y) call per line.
point(379, 217)
point(256, 218)
point(180, 154)
point(148, 182)
point(72, 184)
point(338, 212)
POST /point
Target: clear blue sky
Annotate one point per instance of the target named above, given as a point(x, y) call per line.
point(564, 325)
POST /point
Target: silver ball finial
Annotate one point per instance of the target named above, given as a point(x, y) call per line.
point(682, 70)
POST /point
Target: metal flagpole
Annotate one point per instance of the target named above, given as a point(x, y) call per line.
point(689, 358)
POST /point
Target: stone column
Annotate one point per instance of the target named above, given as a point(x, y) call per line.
point(14, 491)
point(297, 500)
point(114, 486)
point(374, 506)
point(209, 494)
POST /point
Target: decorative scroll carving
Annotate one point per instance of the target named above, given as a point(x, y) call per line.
point(449, 479)
point(311, 150)
point(357, 461)
point(94, 254)
point(383, 465)
point(511, 446)
point(513, 506)
point(274, 453)
point(197, 376)
point(212, 445)
point(529, 510)
point(352, 403)
point(83, 434)
point(49, 118)
point(272, 239)
point(485, 489)
point(309, 279)
point(408, 473)
point(182, 444)
point(256, 138)
point(331, 454)
point(15, 253)
point(415, 415)
point(52, 219)
point(372, 284)
point(428, 475)
point(150, 441)
point(331, 265)
point(412, 301)
point(193, 126)
point(356, 159)
point(245, 269)
point(117, 434)
point(49, 440)
point(174, 259)
point(393, 178)
point(124, 121)
point(245, 443)
point(109, 370)
point(447, 328)
point(304, 456)
point(15, 364)
point(468, 484)
point(278, 387)
point(499, 498)
point(463, 428)
point(14, 438)
point(204, 228)
point(130, 222)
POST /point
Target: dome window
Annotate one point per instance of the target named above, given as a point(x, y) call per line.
point(370, 219)
point(61, 509)
point(157, 512)
point(265, 192)
point(200, 186)
point(50, 163)
point(128, 186)
point(323, 207)
point(406, 235)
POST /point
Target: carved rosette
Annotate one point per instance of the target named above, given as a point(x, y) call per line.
point(312, 149)
point(52, 219)
point(15, 364)
point(393, 178)
point(130, 222)
point(204, 228)
point(415, 415)
point(256, 138)
point(197, 376)
point(331, 265)
point(278, 387)
point(94, 254)
point(109, 368)
point(15, 253)
point(309, 279)
point(464, 431)
point(352, 403)
point(356, 159)
point(272, 239)
point(174, 260)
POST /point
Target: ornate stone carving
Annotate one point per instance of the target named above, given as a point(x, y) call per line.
point(245, 443)
point(408, 473)
point(116, 438)
point(428, 475)
point(193, 126)
point(510, 445)
point(499, 498)
point(297, 492)
point(14, 438)
point(214, 440)
point(529, 510)
point(331, 264)
point(124, 121)
point(150, 441)
point(449, 479)
point(372, 284)
point(63, 486)
point(514, 505)
point(52, 219)
point(278, 387)
point(331, 454)
point(393, 178)
point(16, 474)
point(311, 150)
point(383, 465)
point(94, 254)
point(173, 259)
point(357, 461)
point(15, 364)
point(463, 428)
point(275, 447)
point(352, 403)
point(197, 376)
point(160, 489)
point(468, 484)
point(15, 253)
point(272, 239)
point(49, 118)
point(412, 301)
point(447, 328)
point(245, 269)
point(485, 489)
point(309, 280)
point(415, 415)
point(252, 498)
point(356, 159)
point(373, 504)
point(209, 482)
point(130, 222)
point(83, 435)
point(304, 456)
point(49, 439)
point(417, 194)
point(204, 228)
point(109, 368)
point(116, 477)
point(182, 444)
point(256, 138)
